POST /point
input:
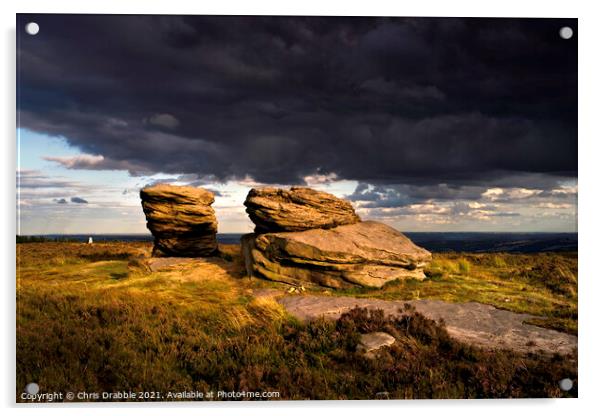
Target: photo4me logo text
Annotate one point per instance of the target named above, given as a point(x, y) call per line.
point(148, 395)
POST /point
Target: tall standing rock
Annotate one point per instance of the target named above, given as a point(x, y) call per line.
point(181, 220)
point(297, 209)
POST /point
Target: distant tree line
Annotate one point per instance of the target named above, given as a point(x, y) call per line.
point(44, 239)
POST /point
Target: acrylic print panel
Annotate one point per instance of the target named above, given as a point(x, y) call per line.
point(288, 208)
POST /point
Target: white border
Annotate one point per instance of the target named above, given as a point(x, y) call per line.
point(590, 70)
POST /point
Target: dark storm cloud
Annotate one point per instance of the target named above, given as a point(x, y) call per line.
point(411, 102)
point(505, 214)
point(385, 196)
point(78, 200)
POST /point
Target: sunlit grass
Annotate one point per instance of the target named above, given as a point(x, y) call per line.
point(95, 318)
point(544, 285)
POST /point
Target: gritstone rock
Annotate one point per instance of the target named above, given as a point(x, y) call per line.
point(367, 254)
point(181, 220)
point(297, 209)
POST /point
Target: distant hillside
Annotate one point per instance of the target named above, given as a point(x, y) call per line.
point(496, 242)
point(433, 241)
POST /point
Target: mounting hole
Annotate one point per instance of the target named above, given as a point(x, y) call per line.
point(566, 384)
point(566, 32)
point(32, 388)
point(32, 28)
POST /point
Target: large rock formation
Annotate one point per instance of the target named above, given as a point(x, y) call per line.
point(297, 209)
point(365, 254)
point(181, 220)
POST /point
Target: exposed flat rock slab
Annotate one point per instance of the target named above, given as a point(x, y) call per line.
point(162, 263)
point(373, 341)
point(296, 209)
point(367, 253)
point(474, 323)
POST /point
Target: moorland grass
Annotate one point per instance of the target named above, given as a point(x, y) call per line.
point(543, 284)
point(94, 318)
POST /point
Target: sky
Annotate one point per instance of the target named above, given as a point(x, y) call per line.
point(426, 124)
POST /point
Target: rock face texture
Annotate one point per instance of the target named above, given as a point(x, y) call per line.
point(365, 254)
point(181, 220)
point(297, 209)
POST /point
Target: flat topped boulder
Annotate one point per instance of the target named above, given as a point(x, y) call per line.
point(367, 241)
point(181, 220)
point(297, 209)
point(366, 254)
point(182, 195)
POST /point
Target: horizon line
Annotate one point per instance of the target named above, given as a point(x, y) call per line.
point(251, 232)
